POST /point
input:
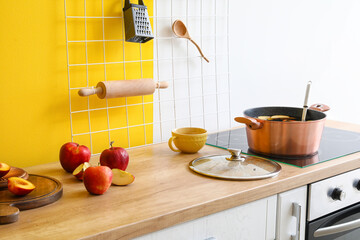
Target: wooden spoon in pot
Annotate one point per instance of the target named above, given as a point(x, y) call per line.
point(181, 31)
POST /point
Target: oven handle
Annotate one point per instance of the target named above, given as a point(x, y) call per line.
point(337, 228)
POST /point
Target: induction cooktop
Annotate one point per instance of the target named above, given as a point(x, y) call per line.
point(335, 143)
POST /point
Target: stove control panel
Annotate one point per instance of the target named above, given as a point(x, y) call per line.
point(333, 193)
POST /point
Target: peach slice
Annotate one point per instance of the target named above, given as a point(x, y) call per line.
point(121, 177)
point(20, 186)
point(4, 169)
point(79, 171)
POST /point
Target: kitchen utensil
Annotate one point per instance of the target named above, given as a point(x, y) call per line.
point(236, 166)
point(48, 190)
point(14, 172)
point(305, 107)
point(181, 31)
point(137, 23)
point(188, 140)
point(124, 88)
point(293, 138)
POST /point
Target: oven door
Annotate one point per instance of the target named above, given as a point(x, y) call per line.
point(342, 224)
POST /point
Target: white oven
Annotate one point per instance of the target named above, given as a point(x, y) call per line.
point(334, 208)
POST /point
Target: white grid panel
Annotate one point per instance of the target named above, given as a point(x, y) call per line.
point(198, 93)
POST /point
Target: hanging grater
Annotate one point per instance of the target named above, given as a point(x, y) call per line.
point(137, 23)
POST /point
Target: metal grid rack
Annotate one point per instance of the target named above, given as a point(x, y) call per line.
point(199, 92)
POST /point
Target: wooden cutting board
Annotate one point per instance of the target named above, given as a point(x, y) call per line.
point(14, 172)
point(48, 190)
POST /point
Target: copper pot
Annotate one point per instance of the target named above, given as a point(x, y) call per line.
point(279, 138)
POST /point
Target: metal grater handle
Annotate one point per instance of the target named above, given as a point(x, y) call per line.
point(127, 4)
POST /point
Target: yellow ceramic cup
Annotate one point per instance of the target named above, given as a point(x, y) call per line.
point(188, 139)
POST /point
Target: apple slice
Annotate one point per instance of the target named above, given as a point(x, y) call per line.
point(4, 169)
point(79, 171)
point(121, 177)
point(20, 186)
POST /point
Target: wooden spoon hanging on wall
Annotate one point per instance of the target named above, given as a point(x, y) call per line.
point(123, 88)
point(181, 31)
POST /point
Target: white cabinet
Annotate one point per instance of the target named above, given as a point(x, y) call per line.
point(254, 220)
point(280, 217)
point(291, 214)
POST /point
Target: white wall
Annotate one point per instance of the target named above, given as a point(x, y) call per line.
point(277, 46)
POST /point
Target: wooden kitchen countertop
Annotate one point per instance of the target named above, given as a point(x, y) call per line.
point(165, 192)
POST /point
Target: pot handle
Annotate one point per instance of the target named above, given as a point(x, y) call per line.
point(252, 123)
point(320, 107)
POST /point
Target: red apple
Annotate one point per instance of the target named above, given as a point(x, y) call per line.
point(121, 177)
point(115, 157)
point(97, 179)
point(20, 186)
point(72, 155)
point(79, 171)
point(4, 169)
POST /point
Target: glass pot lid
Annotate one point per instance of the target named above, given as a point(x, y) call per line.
point(236, 166)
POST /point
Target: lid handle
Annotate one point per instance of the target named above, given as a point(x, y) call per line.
point(235, 155)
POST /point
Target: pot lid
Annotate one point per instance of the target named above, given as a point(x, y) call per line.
point(236, 166)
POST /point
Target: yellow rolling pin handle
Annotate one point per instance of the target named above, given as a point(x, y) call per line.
point(90, 91)
point(171, 146)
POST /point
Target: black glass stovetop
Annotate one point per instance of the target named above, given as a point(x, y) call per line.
point(334, 143)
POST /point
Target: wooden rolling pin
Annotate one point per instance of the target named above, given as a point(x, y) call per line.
point(123, 88)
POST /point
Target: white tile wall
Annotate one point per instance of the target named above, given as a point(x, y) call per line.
point(199, 92)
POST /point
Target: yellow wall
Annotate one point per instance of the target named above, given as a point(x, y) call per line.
point(34, 101)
